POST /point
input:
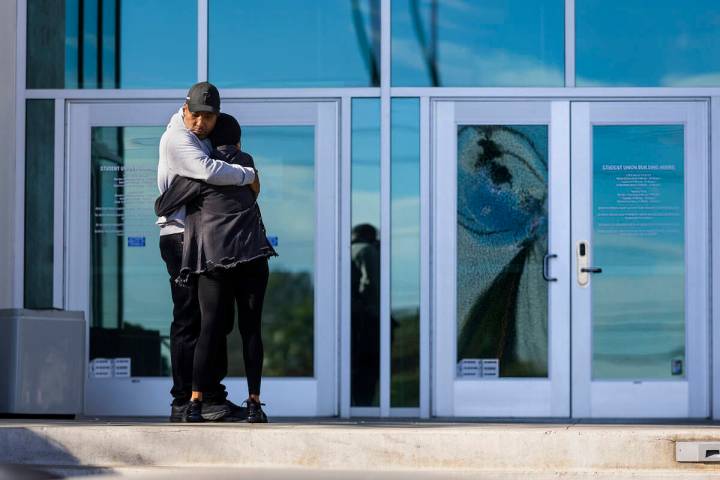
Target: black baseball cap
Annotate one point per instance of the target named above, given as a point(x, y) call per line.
point(203, 97)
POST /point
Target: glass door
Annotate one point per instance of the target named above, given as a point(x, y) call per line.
point(639, 260)
point(501, 216)
point(116, 276)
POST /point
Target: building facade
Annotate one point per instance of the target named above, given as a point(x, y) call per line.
point(504, 208)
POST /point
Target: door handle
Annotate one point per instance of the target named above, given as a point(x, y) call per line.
point(546, 267)
point(583, 263)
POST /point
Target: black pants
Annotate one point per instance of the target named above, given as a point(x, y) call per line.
point(219, 293)
point(185, 327)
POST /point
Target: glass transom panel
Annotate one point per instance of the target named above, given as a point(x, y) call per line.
point(285, 43)
point(509, 43)
point(640, 43)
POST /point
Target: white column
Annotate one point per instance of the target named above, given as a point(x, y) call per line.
point(9, 261)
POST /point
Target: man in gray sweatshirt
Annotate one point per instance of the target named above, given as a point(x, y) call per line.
point(185, 151)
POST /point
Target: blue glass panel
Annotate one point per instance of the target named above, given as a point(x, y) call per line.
point(405, 252)
point(130, 293)
point(475, 44)
point(285, 43)
point(39, 202)
point(641, 43)
point(502, 237)
point(158, 47)
point(111, 44)
point(365, 254)
point(638, 301)
point(285, 158)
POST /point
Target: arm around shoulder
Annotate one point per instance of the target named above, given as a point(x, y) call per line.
point(185, 157)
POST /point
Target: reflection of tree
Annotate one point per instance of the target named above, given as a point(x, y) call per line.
point(369, 47)
point(288, 328)
point(503, 188)
point(428, 46)
point(405, 387)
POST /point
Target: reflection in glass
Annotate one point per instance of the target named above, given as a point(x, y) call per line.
point(672, 43)
point(131, 304)
point(39, 202)
point(111, 44)
point(285, 43)
point(638, 302)
point(405, 252)
point(502, 237)
point(365, 253)
point(463, 43)
point(285, 158)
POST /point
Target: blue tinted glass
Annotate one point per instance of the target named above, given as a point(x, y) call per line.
point(638, 303)
point(39, 213)
point(158, 46)
point(405, 252)
point(641, 43)
point(365, 254)
point(111, 44)
point(466, 43)
point(285, 158)
point(285, 43)
point(130, 293)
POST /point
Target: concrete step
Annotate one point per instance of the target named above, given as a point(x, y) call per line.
point(458, 448)
point(230, 473)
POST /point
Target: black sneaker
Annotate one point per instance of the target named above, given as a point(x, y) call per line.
point(193, 413)
point(177, 411)
point(255, 412)
point(237, 413)
point(213, 411)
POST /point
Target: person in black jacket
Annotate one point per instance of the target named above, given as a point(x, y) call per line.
point(225, 251)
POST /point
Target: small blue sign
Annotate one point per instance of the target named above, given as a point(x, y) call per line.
point(676, 366)
point(273, 241)
point(136, 241)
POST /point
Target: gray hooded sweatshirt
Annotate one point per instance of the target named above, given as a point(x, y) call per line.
point(183, 153)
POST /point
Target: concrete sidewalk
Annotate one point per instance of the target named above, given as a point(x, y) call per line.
point(359, 448)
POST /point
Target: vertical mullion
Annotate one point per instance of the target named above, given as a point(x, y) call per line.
point(569, 43)
point(385, 199)
point(425, 260)
point(58, 204)
point(714, 175)
point(20, 81)
point(202, 41)
point(345, 281)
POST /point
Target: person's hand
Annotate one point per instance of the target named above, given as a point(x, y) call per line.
point(255, 186)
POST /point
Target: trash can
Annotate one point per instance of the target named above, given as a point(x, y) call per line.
point(42, 357)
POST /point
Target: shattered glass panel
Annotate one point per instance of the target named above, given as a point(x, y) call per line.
point(502, 236)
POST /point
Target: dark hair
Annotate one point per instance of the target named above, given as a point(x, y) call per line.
point(226, 132)
point(364, 233)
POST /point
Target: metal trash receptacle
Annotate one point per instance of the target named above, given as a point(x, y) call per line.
point(42, 356)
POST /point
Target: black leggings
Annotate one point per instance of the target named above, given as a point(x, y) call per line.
point(218, 292)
